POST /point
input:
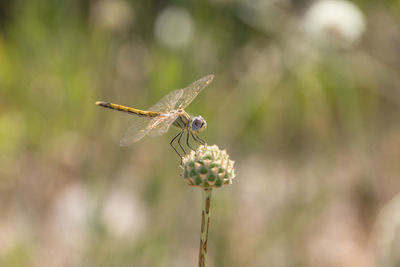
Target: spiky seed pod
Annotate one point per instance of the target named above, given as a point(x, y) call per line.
point(208, 167)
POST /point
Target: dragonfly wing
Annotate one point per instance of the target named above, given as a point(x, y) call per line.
point(163, 125)
point(190, 92)
point(137, 131)
point(178, 99)
point(168, 102)
point(158, 125)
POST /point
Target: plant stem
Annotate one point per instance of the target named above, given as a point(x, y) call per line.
point(205, 224)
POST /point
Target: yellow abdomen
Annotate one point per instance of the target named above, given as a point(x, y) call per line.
point(128, 109)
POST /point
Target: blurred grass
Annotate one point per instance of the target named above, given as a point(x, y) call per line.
point(314, 129)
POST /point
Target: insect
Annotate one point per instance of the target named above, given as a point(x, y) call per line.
point(168, 111)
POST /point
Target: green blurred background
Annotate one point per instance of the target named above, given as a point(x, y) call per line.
point(305, 99)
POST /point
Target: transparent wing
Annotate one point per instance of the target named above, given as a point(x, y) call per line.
point(158, 125)
point(168, 102)
point(143, 126)
point(190, 92)
point(178, 99)
point(137, 131)
point(162, 127)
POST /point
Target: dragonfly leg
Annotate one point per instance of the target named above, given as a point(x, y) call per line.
point(179, 141)
point(187, 140)
point(198, 139)
point(194, 137)
point(201, 140)
point(171, 144)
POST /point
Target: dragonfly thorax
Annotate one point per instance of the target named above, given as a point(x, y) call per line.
point(193, 124)
point(198, 124)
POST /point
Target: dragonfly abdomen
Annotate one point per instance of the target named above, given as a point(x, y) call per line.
point(128, 109)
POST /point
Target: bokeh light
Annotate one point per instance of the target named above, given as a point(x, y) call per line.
point(174, 27)
point(337, 21)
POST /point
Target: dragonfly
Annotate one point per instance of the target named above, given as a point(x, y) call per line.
point(168, 111)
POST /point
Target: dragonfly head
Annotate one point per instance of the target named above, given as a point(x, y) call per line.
point(198, 124)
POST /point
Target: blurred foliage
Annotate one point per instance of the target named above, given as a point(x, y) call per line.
point(306, 104)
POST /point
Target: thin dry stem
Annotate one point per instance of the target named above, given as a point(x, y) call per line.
point(205, 224)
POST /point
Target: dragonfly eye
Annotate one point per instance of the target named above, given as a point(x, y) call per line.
point(198, 123)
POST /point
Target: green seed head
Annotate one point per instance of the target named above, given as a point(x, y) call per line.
point(208, 167)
